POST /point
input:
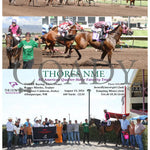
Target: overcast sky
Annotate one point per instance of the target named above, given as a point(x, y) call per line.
point(56, 105)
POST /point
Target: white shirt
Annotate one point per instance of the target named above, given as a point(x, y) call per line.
point(10, 126)
point(17, 129)
point(51, 125)
point(43, 125)
point(36, 125)
point(124, 124)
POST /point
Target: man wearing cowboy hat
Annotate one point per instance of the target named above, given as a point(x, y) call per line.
point(124, 128)
point(10, 129)
point(139, 129)
point(27, 122)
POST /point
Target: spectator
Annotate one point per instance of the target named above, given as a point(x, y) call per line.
point(124, 128)
point(29, 134)
point(51, 125)
point(132, 134)
point(56, 121)
point(139, 129)
point(85, 131)
point(36, 123)
point(27, 122)
point(10, 129)
point(16, 133)
point(59, 132)
point(21, 133)
point(46, 122)
point(64, 130)
point(70, 131)
point(76, 132)
point(25, 135)
point(19, 121)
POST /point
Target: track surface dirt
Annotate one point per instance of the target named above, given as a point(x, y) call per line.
point(90, 55)
point(70, 10)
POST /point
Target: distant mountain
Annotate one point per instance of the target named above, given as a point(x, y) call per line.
point(28, 28)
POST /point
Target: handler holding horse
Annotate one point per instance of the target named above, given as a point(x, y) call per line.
point(28, 54)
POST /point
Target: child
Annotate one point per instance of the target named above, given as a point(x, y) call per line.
point(29, 134)
point(21, 136)
point(132, 134)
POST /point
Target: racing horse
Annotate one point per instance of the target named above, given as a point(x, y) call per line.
point(53, 37)
point(83, 39)
point(12, 2)
point(132, 2)
point(44, 37)
point(103, 128)
point(15, 53)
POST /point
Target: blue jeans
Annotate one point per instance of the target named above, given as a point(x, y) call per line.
point(9, 138)
point(25, 139)
point(20, 140)
point(132, 140)
point(139, 141)
point(64, 137)
point(70, 136)
point(77, 136)
point(124, 142)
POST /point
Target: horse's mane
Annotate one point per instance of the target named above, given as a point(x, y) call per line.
point(95, 119)
point(114, 30)
point(54, 28)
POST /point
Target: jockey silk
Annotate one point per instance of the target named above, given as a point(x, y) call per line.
point(107, 116)
point(14, 29)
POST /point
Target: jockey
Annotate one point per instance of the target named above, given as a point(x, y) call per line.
point(64, 27)
point(50, 26)
point(103, 28)
point(107, 117)
point(45, 29)
point(15, 30)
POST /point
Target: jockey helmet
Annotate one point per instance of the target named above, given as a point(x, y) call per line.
point(105, 110)
point(108, 23)
point(14, 21)
point(70, 22)
point(51, 25)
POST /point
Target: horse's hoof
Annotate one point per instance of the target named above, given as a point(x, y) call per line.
point(68, 56)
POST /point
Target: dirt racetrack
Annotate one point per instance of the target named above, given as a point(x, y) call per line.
point(70, 10)
point(89, 55)
point(37, 59)
point(91, 146)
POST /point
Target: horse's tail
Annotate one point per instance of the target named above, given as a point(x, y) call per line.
point(66, 38)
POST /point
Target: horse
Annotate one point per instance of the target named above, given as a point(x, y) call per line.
point(53, 37)
point(15, 53)
point(103, 128)
point(83, 39)
point(132, 2)
point(12, 2)
point(44, 37)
